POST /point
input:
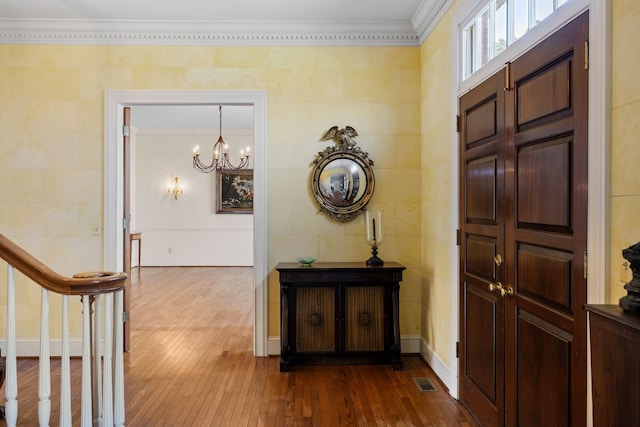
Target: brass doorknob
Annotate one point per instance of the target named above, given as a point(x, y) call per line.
point(497, 288)
point(498, 260)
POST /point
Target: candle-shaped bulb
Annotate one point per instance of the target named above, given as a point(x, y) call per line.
point(215, 154)
point(196, 151)
point(226, 149)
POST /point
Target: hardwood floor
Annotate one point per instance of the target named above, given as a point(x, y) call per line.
point(191, 364)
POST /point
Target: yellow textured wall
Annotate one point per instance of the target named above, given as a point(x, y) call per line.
point(51, 147)
point(625, 138)
point(437, 208)
point(51, 152)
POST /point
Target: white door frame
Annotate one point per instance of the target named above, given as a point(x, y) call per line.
point(114, 101)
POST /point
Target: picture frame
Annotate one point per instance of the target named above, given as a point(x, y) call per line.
point(234, 191)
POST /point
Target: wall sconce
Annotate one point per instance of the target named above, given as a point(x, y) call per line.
point(175, 189)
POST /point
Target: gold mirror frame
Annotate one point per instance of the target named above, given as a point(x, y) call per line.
point(342, 179)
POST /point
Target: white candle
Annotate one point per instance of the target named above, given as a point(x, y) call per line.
point(374, 229)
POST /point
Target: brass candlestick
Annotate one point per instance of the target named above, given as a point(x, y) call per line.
point(374, 235)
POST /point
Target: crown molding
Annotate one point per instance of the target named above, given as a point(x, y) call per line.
point(208, 33)
point(427, 17)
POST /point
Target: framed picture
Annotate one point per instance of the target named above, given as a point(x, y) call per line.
point(234, 192)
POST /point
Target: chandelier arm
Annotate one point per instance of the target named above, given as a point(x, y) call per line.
point(220, 161)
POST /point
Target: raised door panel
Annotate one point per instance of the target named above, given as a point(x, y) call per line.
point(481, 176)
point(545, 95)
point(480, 253)
point(544, 275)
point(481, 123)
point(543, 185)
point(482, 358)
point(544, 366)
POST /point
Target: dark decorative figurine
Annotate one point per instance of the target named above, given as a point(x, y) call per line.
point(632, 301)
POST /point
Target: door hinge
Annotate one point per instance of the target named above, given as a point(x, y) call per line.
point(586, 54)
point(458, 123)
point(125, 130)
point(458, 237)
point(125, 316)
point(586, 264)
point(125, 223)
point(457, 350)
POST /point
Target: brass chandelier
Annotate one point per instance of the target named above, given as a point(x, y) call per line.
point(220, 160)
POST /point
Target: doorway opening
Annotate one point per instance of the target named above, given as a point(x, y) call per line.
point(115, 101)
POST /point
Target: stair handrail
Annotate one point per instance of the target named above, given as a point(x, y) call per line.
point(90, 283)
point(102, 401)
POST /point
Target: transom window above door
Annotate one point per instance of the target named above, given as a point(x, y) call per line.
point(496, 25)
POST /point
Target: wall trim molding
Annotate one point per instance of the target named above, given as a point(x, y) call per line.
point(208, 33)
point(227, 33)
point(437, 364)
point(427, 18)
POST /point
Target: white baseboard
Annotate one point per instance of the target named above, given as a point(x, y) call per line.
point(439, 366)
point(31, 348)
point(409, 345)
point(273, 346)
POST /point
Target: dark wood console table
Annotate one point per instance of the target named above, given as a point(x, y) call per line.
point(615, 365)
point(339, 313)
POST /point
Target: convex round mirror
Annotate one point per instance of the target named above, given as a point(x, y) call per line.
point(342, 178)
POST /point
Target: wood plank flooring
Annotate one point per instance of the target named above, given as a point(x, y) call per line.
point(191, 364)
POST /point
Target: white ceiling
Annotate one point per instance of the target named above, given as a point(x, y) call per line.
point(213, 10)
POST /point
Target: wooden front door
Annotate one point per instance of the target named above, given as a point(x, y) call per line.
point(523, 174)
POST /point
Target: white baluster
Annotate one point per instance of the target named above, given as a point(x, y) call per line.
point(107, 394)
point(86, 413)
point(118, 417)
point(65, 367)
point(96, 383)
point(44, 365)
point(11, 383)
